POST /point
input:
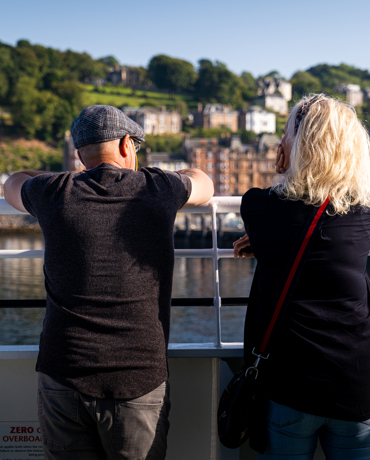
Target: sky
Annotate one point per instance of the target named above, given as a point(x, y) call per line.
point(257, 36)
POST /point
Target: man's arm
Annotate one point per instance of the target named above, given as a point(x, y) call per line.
point(201, 187)
point(13, 186)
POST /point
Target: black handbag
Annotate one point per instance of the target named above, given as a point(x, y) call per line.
point(241, 408)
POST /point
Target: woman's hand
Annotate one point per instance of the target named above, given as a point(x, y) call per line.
point(242, 247)
point(280, 160)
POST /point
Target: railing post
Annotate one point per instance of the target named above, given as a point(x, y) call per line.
point(217, 298)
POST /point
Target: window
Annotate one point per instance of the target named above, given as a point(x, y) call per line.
point(209, 167)
point(209, 155)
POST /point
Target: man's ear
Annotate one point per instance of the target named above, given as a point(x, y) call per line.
point(80, 158)
point(124, 146)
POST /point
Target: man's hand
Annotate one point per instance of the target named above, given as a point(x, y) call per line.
point(242, 248)
point(13, 186)
point(202, 187)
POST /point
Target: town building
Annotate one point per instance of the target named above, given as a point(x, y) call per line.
point(155, 121)
point(275, 102)
point(215, 116)
point(234, 167)
point(167, 161)
point(274, 93)
point(353, 93)
point(271, 85)
point(124, 75)
point(257, 119)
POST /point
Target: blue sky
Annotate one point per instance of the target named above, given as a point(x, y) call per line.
point(256, 36)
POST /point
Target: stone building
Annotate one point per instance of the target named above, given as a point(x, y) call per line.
point(257, 119)
point(155, 121)
point(252, 165)
point(212, 157)
point(234, 167)
point(127, 76)
point(216, 116)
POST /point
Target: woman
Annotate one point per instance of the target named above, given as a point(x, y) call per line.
point(317, 378)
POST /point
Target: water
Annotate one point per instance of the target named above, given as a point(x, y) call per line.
point(23, 279)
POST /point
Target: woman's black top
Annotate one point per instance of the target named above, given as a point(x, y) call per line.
point(320, 359)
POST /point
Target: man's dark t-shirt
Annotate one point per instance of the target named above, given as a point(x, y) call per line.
point(108, 268)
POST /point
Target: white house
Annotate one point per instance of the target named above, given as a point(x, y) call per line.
point(257, 119)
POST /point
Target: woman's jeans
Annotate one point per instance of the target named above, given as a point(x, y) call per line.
point(78, 427)
point(294, 435)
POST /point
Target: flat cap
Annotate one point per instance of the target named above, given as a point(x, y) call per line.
point(102, 123)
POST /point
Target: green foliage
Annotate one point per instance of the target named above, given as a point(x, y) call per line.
point(304, 83)
point(272, 74)
point(216, 83)
point(109, 61)
point(120, 96)
point(332, 76)
point(247, 137)
point(21, 154)
point(248, 86)
point(169, 143)
point(40, 85)
point(171, 74)
point(280, 125)
point(182, 107)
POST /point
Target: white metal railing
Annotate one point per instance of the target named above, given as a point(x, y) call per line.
point(213, 207)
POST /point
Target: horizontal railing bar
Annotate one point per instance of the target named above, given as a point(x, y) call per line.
point(175, 302)
point(187, 253)
point(224, 204)
point(21, 254)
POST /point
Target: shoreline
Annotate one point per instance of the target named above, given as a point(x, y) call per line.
point(19, 224)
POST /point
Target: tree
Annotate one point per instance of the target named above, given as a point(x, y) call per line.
point(109, 61)
point(304, 83)
point(216, 83)
point(171, 74)
point(248, 86)
point(247, 137)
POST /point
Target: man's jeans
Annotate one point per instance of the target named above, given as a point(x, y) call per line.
point(294, 435)
point(79, 427)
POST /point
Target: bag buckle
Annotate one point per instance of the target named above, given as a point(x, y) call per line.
point(253, 369)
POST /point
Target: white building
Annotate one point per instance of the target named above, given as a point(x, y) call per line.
point(257, 119)
point(354, 95)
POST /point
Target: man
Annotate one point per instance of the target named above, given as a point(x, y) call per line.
point(103, 390)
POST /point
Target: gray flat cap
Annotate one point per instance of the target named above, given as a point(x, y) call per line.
point(102, 123)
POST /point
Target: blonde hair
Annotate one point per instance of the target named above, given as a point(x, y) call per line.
point(330, 156)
